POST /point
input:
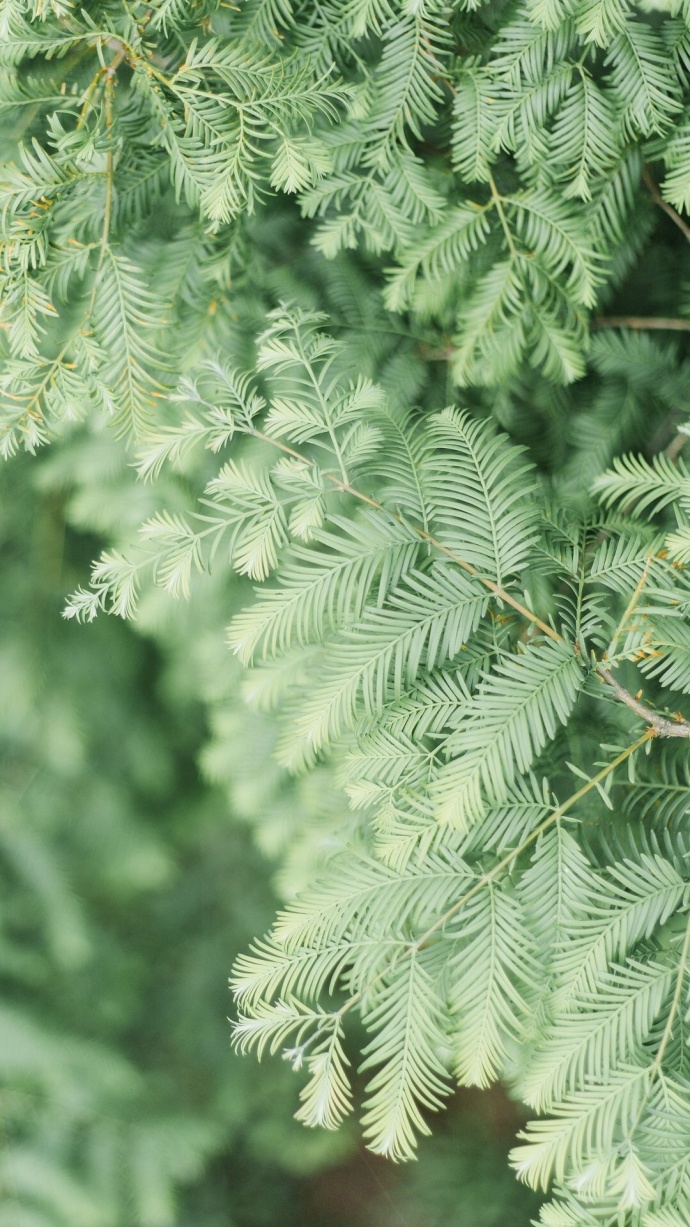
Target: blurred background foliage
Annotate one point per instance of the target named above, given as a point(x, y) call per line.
point(129, 882)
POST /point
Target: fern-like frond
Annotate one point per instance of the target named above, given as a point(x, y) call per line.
point(584, 135)
point(326, 1098)
point(526, 51)
point(633, 900)
point(488, 977)
point(463, 230)
point(425, 623)
point(619, 561)
point(599, 21)
point(665, 653)
point(384, 763)
point(676, 184)
point(556, 232)
point(407, 1019)
point(555, 890)
point(245, 500)
point(482, 496)
point(643, 485)
point(325, 587)
point(600, 1031)
point(474, 124)
point(515, 711)
point(126, 320)
point(643, 78)
point(359, 893)
point(662, 794)
point(270, 971)
point(582, 1128)
point(406, 88)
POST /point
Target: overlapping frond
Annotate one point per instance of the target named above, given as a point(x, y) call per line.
point(399, 636)
point(600, 1030)
point(425, 623)
point(487, 977)
point(483, 501)
point(639, 897)
point(408, 1032)
point(513, 715)
point(125, 326)
point(324, 588)
point(644, 485)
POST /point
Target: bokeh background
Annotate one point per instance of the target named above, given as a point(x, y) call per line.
point(129, 881)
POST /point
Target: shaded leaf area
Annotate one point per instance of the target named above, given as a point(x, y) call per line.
point(460, 1179)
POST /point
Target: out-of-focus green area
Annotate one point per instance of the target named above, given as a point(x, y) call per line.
point(127, 889)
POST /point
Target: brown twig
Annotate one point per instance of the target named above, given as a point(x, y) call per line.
point(641, 322)
point(676, 445)
point(661, 726)
point(663, 204)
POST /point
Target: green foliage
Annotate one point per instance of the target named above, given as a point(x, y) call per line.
point(122, 1101)
point(468, 635)
point(115, 1096)
point(451, 951)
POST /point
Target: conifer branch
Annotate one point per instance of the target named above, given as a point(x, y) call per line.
point(661, 726)
point(394, 640)
point(505, 863)
point(557, 814)
point(346, 488)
